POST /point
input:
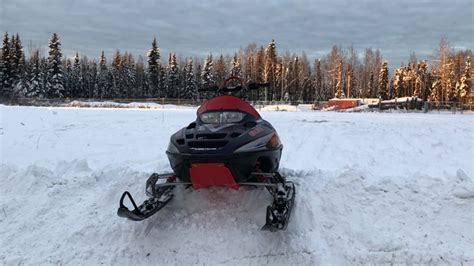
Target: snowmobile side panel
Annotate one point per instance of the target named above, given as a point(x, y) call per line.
point(204, 175)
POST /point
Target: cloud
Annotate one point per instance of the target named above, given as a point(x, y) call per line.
point(195, 28)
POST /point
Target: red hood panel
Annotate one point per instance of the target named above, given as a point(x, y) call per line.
point(227, 102)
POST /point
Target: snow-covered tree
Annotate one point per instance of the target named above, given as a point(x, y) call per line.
point(173, 89)
point(436, 91)
point(463, 86)
point(36, 84)
point(190, 84)
point(383, 81)
point(129, 75)
point(420, 82)
point(236, 66)
point(207, 76)
point(54, 81)
point(398, 82)
point(449, 82)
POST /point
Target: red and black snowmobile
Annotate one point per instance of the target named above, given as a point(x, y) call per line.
point(229, 145)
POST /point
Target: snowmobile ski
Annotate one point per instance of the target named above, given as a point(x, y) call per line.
point(159, 196)
point(278, 214)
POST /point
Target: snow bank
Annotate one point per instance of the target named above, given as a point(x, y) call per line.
point(277, 107)
point(111, 104)
point(372, 188)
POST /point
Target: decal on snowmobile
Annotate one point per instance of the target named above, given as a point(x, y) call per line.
point(255, 131)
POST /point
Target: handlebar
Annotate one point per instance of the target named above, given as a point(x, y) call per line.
point(224, 88)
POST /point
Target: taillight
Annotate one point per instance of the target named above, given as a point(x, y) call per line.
point(270, 141)
point(274, 142)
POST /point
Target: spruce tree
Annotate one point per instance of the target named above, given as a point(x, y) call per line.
point(104, 79)
point(68, 82)
point(269, 68)
point(6, 68)
point(19, 77)
point(129, 75)
point(197, 75)
point(220, 70)
point(117, 76)
point(54, 82)
point(383, 81)
point(93, 84)
point(141, 85)
point(173, 89)
point(153, 70)
point(76, 78)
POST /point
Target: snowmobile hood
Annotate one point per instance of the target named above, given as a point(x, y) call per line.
point(227, 102)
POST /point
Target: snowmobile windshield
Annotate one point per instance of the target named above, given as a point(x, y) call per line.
point(225, 117)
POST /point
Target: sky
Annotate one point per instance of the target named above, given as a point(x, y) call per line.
point(199, 27)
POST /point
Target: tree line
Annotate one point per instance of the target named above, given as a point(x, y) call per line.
point(342, 73)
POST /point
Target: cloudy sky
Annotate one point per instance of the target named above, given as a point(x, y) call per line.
point(197, 27)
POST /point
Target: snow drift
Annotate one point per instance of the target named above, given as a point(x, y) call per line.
point(372, 188)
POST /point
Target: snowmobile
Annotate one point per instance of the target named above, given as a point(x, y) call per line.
point(229, 145)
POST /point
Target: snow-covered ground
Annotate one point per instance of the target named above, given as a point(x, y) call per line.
point(372, 188)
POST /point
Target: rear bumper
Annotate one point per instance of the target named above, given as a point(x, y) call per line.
point(241, 165)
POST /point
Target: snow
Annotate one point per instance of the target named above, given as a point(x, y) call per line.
point(403, 100)
point(372, 188)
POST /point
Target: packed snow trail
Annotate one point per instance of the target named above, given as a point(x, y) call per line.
point(371, 188)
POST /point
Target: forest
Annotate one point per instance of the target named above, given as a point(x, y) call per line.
point(342, 73)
